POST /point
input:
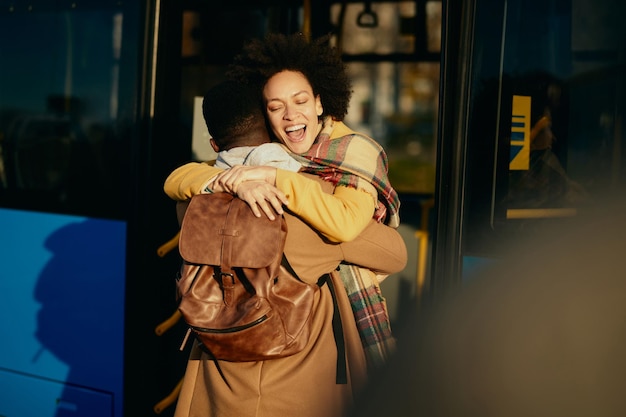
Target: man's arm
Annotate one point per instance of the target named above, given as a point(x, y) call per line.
point(379, 248)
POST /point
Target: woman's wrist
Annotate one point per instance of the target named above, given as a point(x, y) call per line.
point(271, 178)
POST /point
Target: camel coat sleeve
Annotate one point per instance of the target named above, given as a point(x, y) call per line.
point(378, 247)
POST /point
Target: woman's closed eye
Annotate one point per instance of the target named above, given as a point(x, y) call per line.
point(274, 107)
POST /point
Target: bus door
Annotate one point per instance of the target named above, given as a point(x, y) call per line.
point(533, 104)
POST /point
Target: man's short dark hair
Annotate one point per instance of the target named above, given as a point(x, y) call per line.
point(230, 110)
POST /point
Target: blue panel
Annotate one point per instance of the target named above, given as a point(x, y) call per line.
point(27, 396)
point(62, 281)
point(515, 150)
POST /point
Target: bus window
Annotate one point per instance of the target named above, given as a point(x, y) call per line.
point(67, 89)
point(567, 91)
point(548, 102)
point(392, 50)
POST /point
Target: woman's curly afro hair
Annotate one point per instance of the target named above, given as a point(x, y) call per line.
point(320, 63)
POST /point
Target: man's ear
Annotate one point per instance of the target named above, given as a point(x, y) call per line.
point(214, 145)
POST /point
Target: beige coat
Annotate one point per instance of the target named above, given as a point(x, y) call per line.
point(302, 385)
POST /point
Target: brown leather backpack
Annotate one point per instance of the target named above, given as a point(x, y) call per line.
point(235, 295)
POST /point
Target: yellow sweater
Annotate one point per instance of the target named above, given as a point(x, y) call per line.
point(340, 217)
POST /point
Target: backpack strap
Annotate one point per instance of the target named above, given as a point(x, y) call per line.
point(342, 373)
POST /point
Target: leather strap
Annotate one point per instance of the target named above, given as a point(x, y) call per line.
point(342, 373)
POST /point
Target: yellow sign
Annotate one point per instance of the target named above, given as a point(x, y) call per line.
point(520, 134)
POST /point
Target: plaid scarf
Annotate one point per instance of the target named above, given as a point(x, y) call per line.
point(370, 312)
point(357, 161)
point(353, 160)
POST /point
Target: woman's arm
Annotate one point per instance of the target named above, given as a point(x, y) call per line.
point(340, 216)
point(199, 177)
point(189, 179)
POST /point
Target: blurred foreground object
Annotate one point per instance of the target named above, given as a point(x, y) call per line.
point(541, 332)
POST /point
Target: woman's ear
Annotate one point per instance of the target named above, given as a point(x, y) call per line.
point(318, 105)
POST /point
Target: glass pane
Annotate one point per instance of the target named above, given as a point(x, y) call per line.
point(380, 28)
point(59, 106)
point(211, 35)
point(433, 26)
point(566, 89)
point(396, 104)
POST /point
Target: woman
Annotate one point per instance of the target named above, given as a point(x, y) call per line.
point(305, 92)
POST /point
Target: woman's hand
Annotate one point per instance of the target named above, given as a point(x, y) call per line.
point(232, 178)
point(262, 196)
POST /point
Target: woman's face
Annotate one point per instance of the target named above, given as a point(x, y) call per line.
point(292, 110)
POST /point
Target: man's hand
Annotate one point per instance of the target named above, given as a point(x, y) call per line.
point(262, 196)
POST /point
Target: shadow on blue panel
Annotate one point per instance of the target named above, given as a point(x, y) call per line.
point(68, 313)
point(80, 310)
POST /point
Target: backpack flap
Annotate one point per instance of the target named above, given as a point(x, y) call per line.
point(219, 229)
point(235, 296)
